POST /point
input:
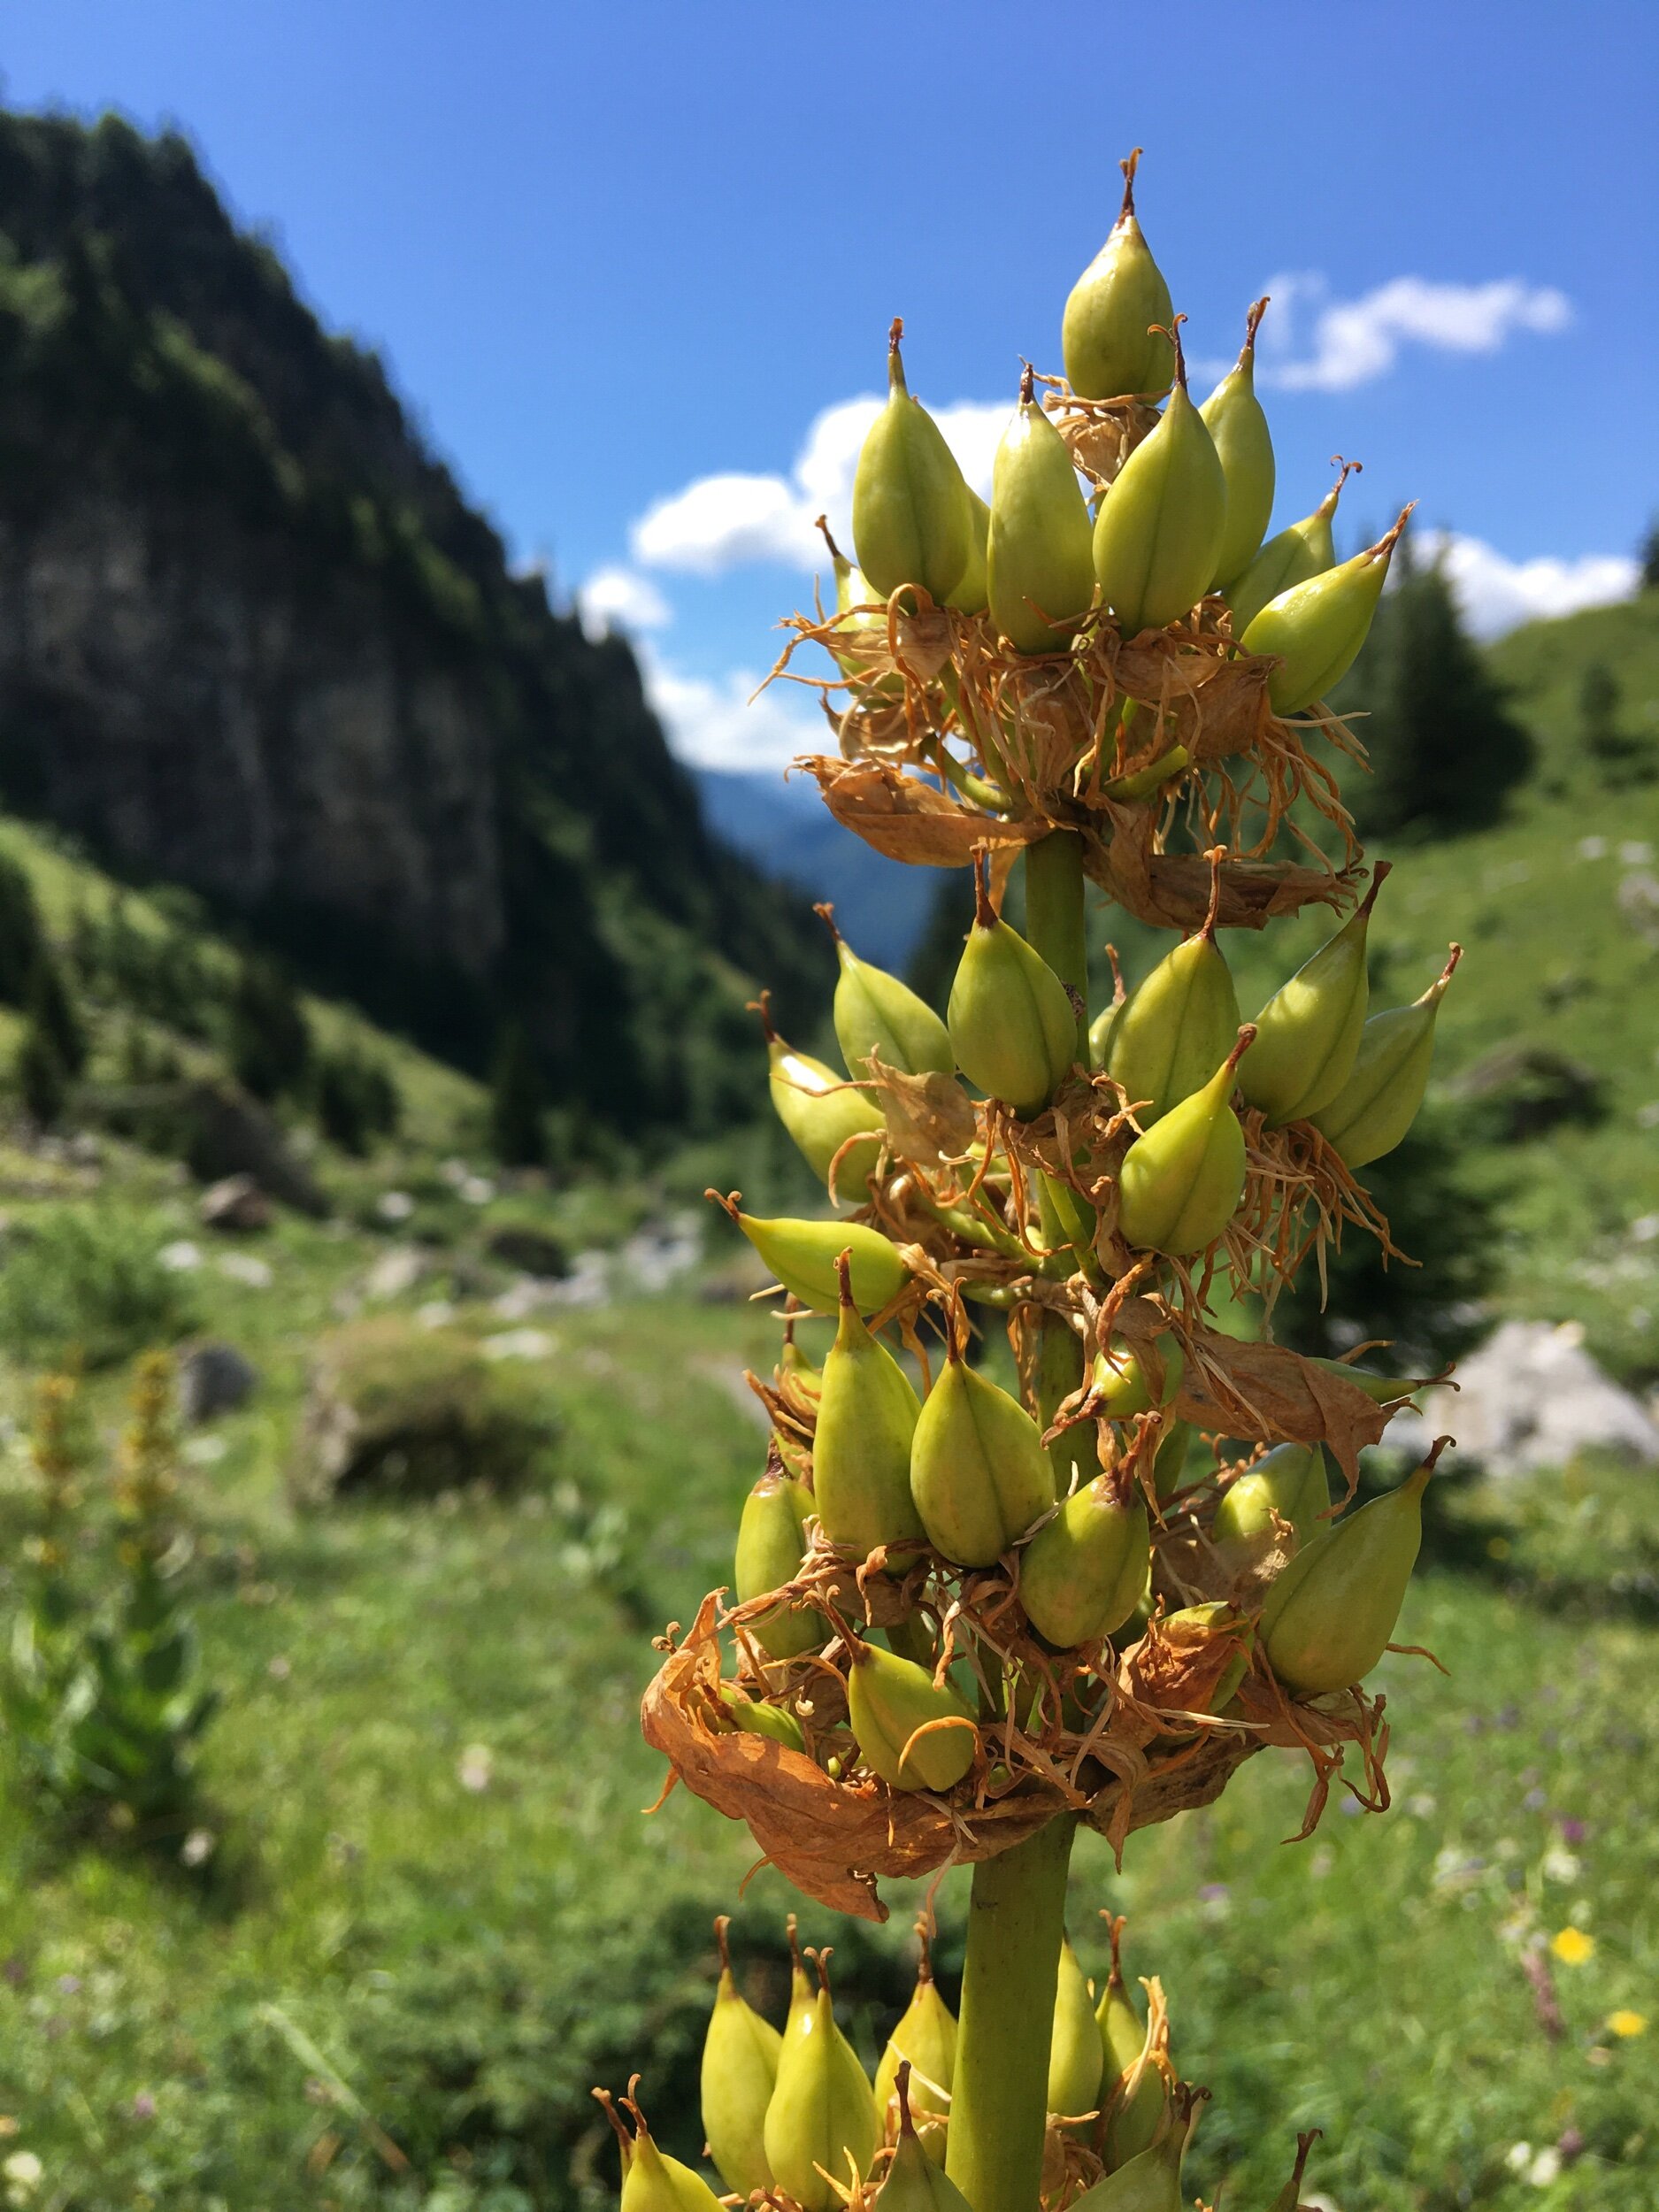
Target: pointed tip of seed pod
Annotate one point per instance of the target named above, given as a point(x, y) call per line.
point(844, 1278)
point(1383, 551)
point(763, 1007)
point(1215, 856)
point(1252, 323)
point(820, 1960)
point(983, 913)
point(722, 1924)
point(902, 2085)
point(1327, 505)
point(1027, 384)
point(1416, 1484)
point(923, 1936)
point(607, 2105)
point(1116, 1923)
point(1436, 990)
point(895, 359)
point(822, 524)
point(729, 1204)
point(1172, 330)
point(1247, 1038)
point(1120, 989)
point(792, 1936)
point(1379, 875)
point(1129, 165)
point(1304, 2145)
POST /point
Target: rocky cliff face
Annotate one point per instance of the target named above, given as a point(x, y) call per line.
point(170, 695)
point(253, 640)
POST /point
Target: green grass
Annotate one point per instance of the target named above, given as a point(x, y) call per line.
point(469, 1961)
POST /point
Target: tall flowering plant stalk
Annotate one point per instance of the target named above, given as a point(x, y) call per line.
point(966, 1619)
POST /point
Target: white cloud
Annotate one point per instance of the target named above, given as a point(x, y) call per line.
point(1495, 594)
point(721, 522)
point(716, 723)
point(617, 598)
point(1354, 342)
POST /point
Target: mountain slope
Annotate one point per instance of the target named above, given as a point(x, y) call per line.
point(253, 640)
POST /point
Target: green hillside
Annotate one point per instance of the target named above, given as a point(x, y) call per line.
point(254, 640)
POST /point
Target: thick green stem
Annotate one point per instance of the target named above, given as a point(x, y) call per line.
point(1055, 925)
point(1054, 917)
point(999, 2102)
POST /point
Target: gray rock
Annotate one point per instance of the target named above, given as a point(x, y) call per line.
point(230, 1133)
point(237, 1203)
point(1532, 1396)
point(213, 1378)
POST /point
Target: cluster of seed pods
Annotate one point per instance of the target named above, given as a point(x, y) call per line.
point(934, 1566)
point(792, 2115)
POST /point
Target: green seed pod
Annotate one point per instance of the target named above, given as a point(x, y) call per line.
point(1288, 1484)
point(1308, 1034)
point(1180, 1184)
point(916, 2182)
point(1169, 1469)
point(1081, 1576)
point(1134, 2093)
point(910, 502)
point(1305, 549)
point(1112, 332)
point(978, 1474)
point(740, 2069)
point(821, 1112)
point(1380, 1102)
point(889, 1700)
point(651, 2180)
point(1126, 1384)
point(876, 1014)
point(1331, 1613)
point(1150, 2182)
point(926, 2040)
point(803, 1255)
point(1178, 1023)
point(1382, 1390)
point(1316, 629)
point(756, 1719)
point(1236, 422)
point(1012, 1029)
point(1075, 2057)
point(1039, 568)
point(1158, 534)
point(970, 592)
point(822, 2108)
point(770, 1545)
point(860, 1454)
point(795, 1369)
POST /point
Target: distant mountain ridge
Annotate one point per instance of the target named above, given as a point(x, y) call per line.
point(785, 829)
point(253, 640)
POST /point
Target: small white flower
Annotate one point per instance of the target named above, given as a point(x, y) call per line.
point(1545, 2167)
point(1561, 1865)
point(1519, 2156)
point(476, 1767)
point(198, 1846)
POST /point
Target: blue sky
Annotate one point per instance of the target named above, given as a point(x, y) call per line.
point(612, 252)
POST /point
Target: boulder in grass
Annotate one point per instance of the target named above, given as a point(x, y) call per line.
point(237, 1203)
point(393, 1408)
point(213, 1378)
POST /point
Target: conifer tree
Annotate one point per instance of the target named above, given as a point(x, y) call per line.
point(1445, 750)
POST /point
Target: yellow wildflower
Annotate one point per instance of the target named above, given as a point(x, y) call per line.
point(1626, 2022)
point(1572, 1946)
